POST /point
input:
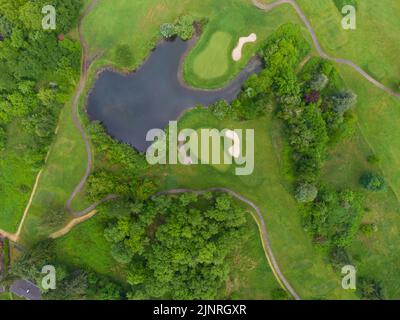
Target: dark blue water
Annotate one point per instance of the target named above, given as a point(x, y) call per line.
point(131, 105)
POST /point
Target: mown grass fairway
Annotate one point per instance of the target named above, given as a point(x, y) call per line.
point(213, 61)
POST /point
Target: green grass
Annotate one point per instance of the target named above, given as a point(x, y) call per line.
point(377, 253)
point(212, 62)
point(86, 247)
point(9, 296)
point(251, 276)
point(17, 177)
point(64, 168)
point(301, 263)
point(374, 45)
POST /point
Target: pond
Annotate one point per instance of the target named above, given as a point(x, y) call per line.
point(131, 105)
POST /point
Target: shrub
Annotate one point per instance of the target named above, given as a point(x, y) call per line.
point(168, 30)
point(306, 192)
point(369, 289)
point(184, 27)
point(372, 181)
point(312, 97)
point(343, 101)
point(221, 110)
point(373, 159)
point(338, 257)
point(368, 228)
point(341, 3)
point(319, 82)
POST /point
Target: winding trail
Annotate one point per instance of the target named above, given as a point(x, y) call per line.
point(75, 105)
point(262, 228)
point(268, 7)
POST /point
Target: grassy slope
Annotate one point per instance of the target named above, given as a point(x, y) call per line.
point(16, 178)
point(85, 246)
point(378, 252)
point(65, 166)
point(374, 45)
point(300, 262)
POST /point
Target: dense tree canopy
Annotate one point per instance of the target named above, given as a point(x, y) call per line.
point(178, 247)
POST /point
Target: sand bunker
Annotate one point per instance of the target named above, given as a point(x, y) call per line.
point(233, 151)
point(237, 52)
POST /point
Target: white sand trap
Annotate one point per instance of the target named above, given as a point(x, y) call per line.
point(233, 151)
point(237, 52)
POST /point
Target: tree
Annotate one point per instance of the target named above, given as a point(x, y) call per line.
point(121, 253)
point(319, 82)
point(372, 181)
point(306, 192)
point(168, 30)
point(343, 101)
point(185, 244)
point(123, 55)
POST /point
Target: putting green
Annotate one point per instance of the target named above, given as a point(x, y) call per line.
point(213, 61)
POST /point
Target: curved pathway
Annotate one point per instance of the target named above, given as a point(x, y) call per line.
point(75, 106)
point(321, 52)
point(261, 225)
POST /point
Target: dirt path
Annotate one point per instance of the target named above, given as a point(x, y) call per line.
point(72, 224)
point(15, 236)
point(321, 52)
point(262, 228)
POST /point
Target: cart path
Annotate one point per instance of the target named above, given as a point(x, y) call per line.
point(75, 105)
point(321, 52)
point(262, 228)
